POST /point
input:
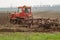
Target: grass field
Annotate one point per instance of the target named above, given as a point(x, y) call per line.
point(29, 36)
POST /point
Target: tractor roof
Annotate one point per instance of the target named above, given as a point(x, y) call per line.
point(24, 6)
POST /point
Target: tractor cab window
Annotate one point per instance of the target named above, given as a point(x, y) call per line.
point(26, 10)
point(19, 10)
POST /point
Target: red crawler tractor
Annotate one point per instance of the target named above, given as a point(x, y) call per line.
point(23, 16)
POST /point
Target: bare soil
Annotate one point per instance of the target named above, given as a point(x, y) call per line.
point(6, 26)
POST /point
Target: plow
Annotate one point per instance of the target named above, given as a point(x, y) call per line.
point(24, 17)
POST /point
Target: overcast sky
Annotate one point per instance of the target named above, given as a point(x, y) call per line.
point(15, 3)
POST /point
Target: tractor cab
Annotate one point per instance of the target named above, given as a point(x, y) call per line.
point(24, 11)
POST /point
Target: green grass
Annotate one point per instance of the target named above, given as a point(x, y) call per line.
point(29, 36)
